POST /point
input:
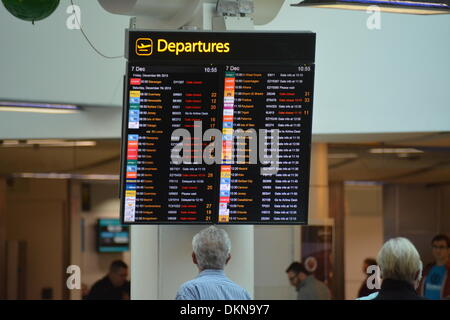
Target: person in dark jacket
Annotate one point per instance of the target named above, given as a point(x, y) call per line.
point(401, 270)
point(114, 286)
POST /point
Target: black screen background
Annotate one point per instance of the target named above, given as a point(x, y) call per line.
point(217, 80)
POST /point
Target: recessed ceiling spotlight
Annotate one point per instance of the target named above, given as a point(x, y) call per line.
point(38, 107)
point(395, 150)
point(407, 7)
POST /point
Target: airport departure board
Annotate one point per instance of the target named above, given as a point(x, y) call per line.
point(217, 127)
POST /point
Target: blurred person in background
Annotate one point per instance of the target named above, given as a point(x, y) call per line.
point(307, 286)
point(114, 286)
point(364, 289)
point(84, 291)
point(435, 284)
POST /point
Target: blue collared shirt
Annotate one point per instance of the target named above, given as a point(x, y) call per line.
point(211, 284)
point(369, 297)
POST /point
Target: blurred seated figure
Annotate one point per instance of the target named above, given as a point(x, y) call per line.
point(211, 252)
point(401, 270)
point(114, 286)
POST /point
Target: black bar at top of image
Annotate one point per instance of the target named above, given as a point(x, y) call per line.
point(287, 46)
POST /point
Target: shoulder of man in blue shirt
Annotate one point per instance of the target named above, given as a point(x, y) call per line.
point(211, 285)
point(369, 297)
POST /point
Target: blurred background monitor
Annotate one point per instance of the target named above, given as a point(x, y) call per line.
point(112, 236)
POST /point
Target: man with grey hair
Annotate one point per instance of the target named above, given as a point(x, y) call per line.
point(211, 252)
point(401, 270)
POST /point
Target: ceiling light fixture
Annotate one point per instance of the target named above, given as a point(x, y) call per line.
point(62, 143)
point(362, 183)
point(46, 143)
point(38, 107)
point(407, 7)
point(10, 142)
point(342, 156)
point(395, 150)
point(35, 175)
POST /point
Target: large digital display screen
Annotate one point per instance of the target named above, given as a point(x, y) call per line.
point(217, 127)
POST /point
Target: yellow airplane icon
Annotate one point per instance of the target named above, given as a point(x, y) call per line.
point(144, 46)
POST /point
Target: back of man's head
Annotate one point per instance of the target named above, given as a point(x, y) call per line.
point(212, 248)
point(398, 259)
